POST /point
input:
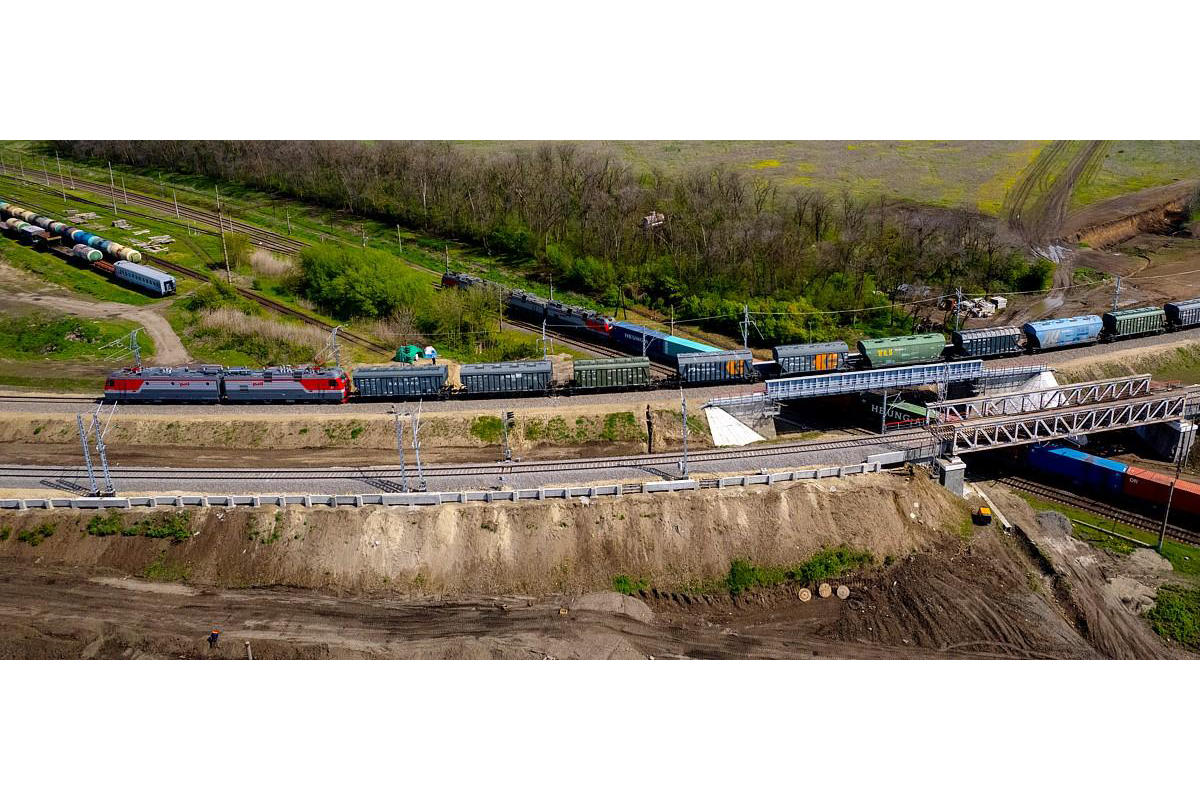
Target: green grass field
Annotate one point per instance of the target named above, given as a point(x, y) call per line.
point(975, 174)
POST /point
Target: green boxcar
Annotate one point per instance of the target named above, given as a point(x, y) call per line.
point(897, 351)
point(609, 373)
point(1135, 321)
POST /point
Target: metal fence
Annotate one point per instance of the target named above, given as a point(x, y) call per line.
point(432, 498)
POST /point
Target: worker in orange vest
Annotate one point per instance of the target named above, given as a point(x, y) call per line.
point(212, 638)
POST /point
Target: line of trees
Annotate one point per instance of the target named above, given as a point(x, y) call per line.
point(578, 214)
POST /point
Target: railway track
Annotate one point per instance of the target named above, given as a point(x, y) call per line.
point(275, 306)
point(260, 236)
point(33, 398)
point(657, 371)
point(1102, 509)
point(470, 470)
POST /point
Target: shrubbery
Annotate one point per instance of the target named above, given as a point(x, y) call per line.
point(348, 282)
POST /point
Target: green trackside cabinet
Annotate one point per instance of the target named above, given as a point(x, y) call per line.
point(1135, 322)
point(898, 351)
point(408, 354)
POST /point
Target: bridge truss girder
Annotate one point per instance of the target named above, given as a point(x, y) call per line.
point(1044, 399)
point(1012, 431)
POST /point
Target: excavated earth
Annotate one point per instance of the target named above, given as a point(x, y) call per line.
point(524, 582)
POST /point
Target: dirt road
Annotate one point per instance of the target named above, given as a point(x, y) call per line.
point(167, 345)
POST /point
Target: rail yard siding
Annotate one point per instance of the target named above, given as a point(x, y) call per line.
point(432, 498)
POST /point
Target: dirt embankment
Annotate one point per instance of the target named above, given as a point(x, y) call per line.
point(525, 548)
point(149, 439)
point(1156, 210)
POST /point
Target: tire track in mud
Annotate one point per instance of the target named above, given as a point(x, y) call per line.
point(1038, 204)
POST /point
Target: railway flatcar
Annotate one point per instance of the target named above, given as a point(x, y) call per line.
point(148, 278)
point(611, 373)
point(1048, 334)
point(898, 351)
point(505, 378)
point(378, 383)
point(165, 385)
point(721, 366)
point(985, 342)
point(286, 385)
point(797, 359)
point(1183, 314)
point(1134, 322)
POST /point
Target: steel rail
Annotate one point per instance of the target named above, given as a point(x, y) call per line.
point(906, 440)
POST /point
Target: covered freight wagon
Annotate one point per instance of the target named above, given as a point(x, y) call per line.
point(1184, 313)
point(897, 351)
point(983, 342)
point(388, 382)
point(1134, 322)
point(149, 278)
point(507, 377)
point(719, 367)
point(1100, 475)
point(612, 373)
point(165, 385)
point(1049, 333)
point(796, 359)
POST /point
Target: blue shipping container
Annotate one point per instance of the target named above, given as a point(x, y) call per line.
point(1092, 472)
point(676, 345)
point(1049, 333)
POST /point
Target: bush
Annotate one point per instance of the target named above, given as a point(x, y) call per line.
point(107, 525)
point(35, 536)
point(627, 585)
point(348, 282)
point(176, 527)
point(828, 563)
point(217, 294)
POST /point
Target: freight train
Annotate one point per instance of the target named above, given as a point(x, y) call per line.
point(1105, 479)
point(1032, 337)
point(630, 337)
point(893, 351)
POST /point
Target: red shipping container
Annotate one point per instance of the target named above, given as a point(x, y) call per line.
point(1153, 487)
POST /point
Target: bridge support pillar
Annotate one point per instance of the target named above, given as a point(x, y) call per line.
point(1169, 438)
point(950, 474)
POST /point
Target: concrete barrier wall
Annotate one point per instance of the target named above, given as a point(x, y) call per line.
point(425, 498)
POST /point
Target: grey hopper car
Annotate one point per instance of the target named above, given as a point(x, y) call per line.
point(612, 373)
point(983, 342)
point(385, 382)
point(795, 359)
point(508, 377)
point(1183, 314)
point(722, 366)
